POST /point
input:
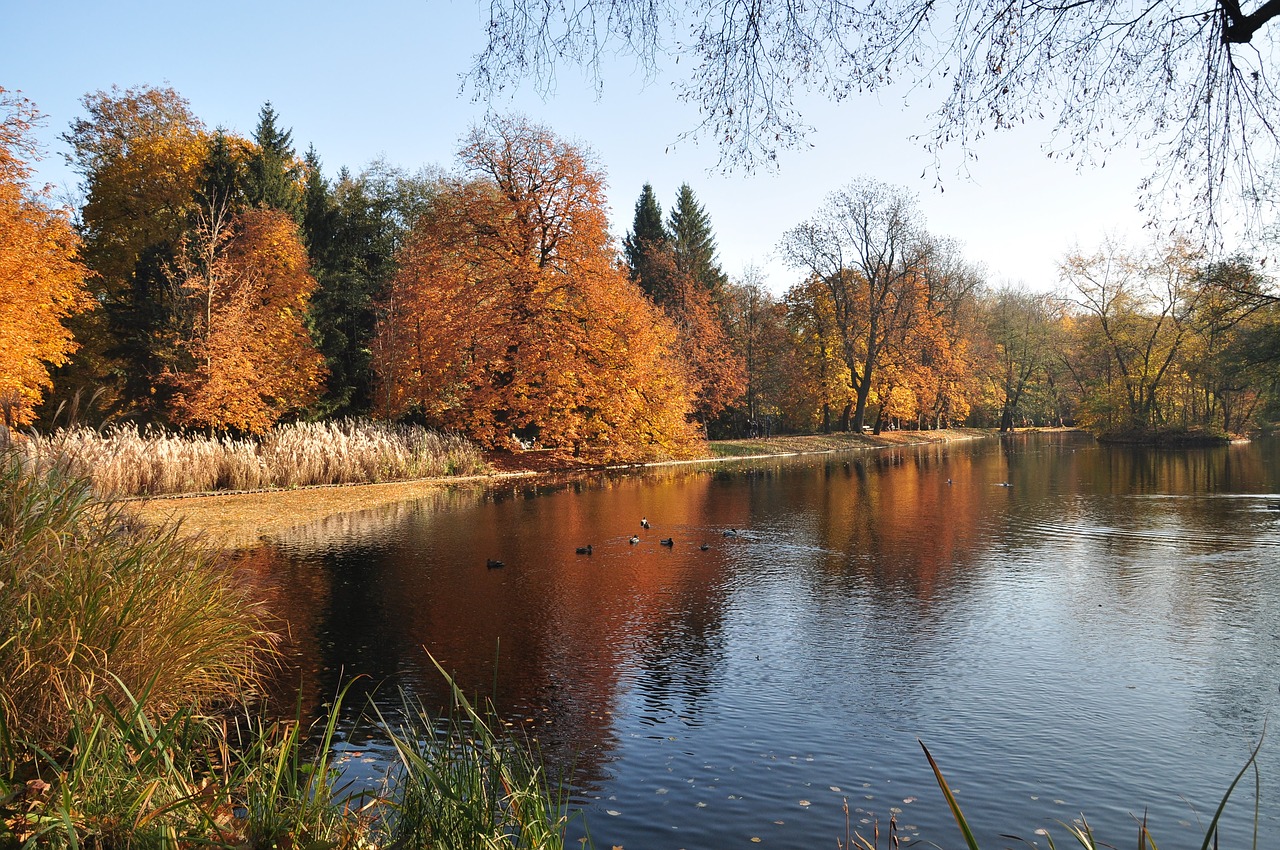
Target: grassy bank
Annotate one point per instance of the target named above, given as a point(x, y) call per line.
point(837, 442)
point(241, 519)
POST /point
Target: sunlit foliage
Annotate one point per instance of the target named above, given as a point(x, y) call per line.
point(244, 288)
point(510, 320)
point(42, 283)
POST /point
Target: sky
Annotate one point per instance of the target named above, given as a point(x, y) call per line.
point(382, 78)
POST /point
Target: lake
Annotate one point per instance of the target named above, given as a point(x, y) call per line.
point(1068, 627)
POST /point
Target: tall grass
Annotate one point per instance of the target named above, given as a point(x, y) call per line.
point(1082, 834)
point(464, 786)
point(94, 606)
point(126, 461)
point(117, 640)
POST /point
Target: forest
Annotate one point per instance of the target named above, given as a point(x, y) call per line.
point(208, 282)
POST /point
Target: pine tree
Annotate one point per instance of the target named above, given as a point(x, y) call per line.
point(352, 231)
point(223, 181)
point(647, 248)
point(694, 244)
point(274, 171)
point(319, 212)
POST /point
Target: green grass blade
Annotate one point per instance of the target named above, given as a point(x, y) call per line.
point(951, 800)
point(1217, 816)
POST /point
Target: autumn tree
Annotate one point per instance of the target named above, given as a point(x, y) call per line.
point(1140, 310)
point(820, 385)
point(245, 286)
point(1232, 363)
point(865, 248)
point(1019, 325)
point(510, 320)
point(42, 283)
point(141, 155)
point(758, 334)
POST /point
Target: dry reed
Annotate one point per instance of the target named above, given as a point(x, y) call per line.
point(126, 461)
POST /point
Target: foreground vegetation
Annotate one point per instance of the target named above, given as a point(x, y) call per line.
point(127, 715)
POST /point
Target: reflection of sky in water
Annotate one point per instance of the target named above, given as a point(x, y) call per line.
point(1101, 635)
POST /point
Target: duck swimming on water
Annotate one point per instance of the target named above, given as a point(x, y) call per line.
point(667, 542)
point(634, 539)
point(644, 522)
point(584, 550)
point(493, 565)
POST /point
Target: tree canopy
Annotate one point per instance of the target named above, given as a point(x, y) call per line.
point(511, 321)
point(1190, 78)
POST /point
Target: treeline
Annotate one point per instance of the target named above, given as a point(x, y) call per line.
point(214, 282)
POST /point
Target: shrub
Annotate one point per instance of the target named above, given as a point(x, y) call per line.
point(94, 606)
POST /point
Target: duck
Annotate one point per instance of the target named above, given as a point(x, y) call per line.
point(732, 532)
point(635, 538)
point(493, 565)
point(667, 542)
point(705, 546)
point(584, 550)
point(644, 522)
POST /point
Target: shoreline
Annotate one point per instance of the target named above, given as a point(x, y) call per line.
point(242, 519)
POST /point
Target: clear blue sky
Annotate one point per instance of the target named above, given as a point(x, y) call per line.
point(382, 79)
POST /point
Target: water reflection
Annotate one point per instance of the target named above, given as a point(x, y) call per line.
point(1099, 634)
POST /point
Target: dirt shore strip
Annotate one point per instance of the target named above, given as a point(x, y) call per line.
point(242, 519)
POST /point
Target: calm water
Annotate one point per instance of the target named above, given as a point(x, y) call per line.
point(1103, 635)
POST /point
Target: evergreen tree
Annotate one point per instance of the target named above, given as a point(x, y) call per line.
point(223, 181)
point(694, 244)
point(353, 231)
point(319, 213)
point(273, 170)
point(648, 247)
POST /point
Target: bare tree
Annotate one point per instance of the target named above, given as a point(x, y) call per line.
point(1190, 80)
point(866, 247)
point(1019, 327)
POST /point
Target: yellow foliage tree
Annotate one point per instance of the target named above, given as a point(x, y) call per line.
point(246, 286)
point(41, 281)
point(511, 321)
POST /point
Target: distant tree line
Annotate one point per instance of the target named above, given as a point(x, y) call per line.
point(217, 282)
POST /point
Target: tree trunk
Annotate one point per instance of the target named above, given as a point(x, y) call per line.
point(1006, 421)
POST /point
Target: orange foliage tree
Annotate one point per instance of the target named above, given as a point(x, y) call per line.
point(511, 321)
point(41, 281)
point(244, 287)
